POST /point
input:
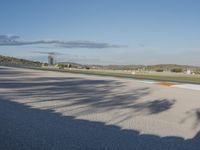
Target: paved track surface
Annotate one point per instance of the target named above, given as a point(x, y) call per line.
point(43, 110)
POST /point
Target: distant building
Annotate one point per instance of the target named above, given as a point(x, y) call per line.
point(188, 71)
point(50, 60)
point(133, 72)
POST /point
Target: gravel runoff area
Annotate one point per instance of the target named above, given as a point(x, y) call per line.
point(44, 110)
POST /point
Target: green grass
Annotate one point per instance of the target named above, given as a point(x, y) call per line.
point(157, 77)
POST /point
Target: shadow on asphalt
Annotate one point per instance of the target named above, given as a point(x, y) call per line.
point(25, 128)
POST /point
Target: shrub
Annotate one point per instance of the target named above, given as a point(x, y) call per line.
point(177, 70)
point(87, 67)
point(159, 70)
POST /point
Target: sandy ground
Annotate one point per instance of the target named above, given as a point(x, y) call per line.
point(51, 110)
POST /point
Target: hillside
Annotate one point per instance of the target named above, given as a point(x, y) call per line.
point(6, 60)
point(164, 67)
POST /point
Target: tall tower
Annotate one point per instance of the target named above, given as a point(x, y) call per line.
point(51, 56)
point(50, 59)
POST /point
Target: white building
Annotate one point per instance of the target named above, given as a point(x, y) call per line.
point(188, 71)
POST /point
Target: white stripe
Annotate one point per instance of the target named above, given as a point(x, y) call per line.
point(188, 86)
point(147, 81)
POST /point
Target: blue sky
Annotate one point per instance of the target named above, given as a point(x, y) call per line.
point(102, 31)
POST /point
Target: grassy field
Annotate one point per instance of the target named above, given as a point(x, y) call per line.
point(168, 77)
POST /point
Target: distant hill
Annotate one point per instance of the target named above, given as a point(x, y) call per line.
point(6, 60)
point(164, 67)
point(168, 67)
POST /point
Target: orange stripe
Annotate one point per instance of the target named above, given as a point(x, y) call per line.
point(165, 84)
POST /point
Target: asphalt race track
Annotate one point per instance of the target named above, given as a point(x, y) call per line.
point(44, 110)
